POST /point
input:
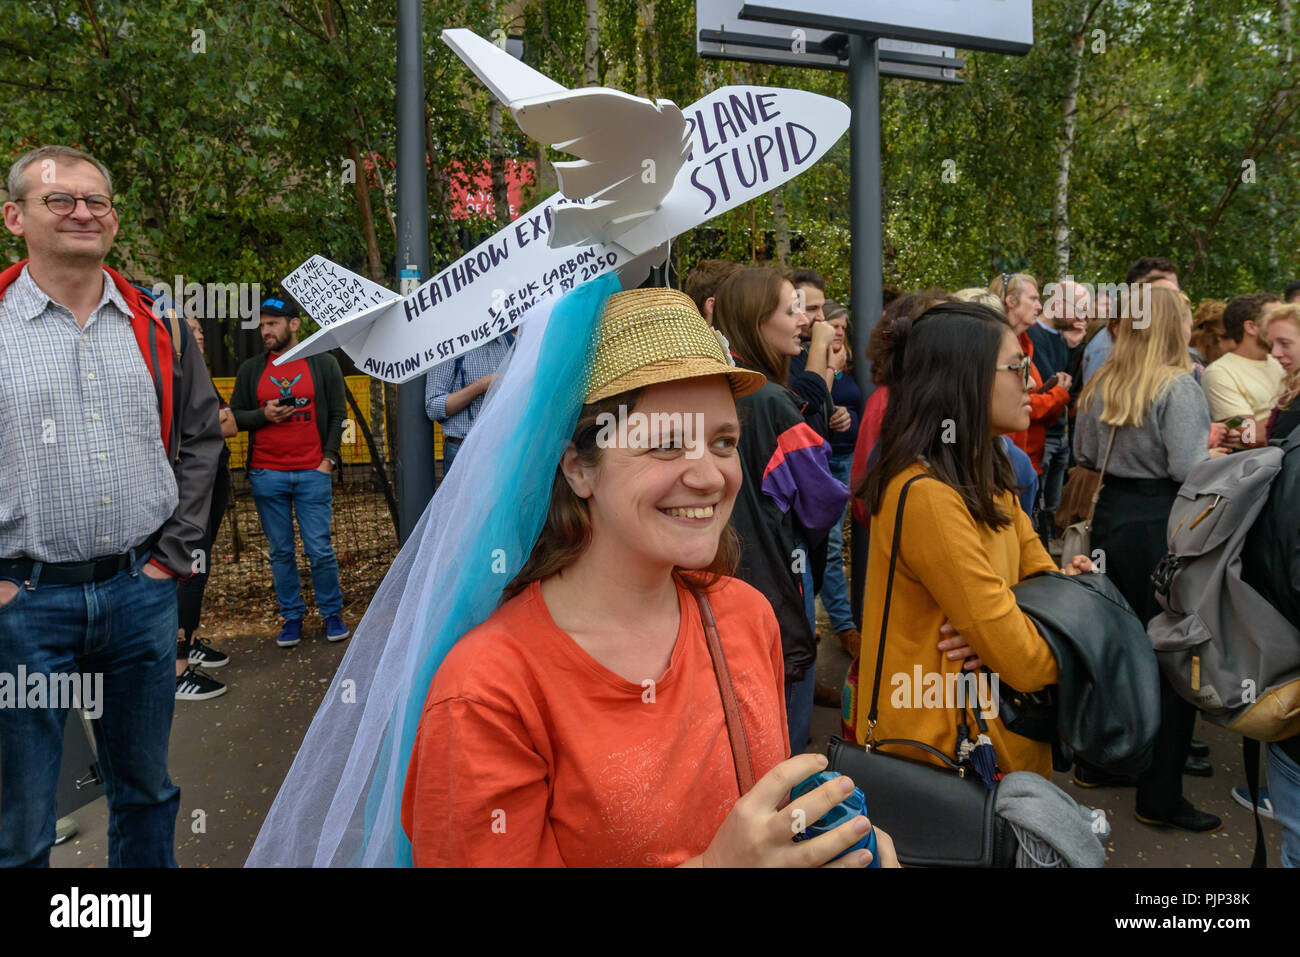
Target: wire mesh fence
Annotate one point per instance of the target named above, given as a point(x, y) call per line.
point(240, 593)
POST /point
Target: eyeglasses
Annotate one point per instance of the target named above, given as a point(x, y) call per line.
point(63, 204)
point(1024, 367)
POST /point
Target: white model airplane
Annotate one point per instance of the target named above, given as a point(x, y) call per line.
point(647, 172)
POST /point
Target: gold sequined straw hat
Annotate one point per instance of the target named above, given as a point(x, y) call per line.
point(655, 335)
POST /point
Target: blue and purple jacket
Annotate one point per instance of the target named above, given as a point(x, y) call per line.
point(788, 496)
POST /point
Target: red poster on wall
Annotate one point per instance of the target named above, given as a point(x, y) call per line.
point(471, 191)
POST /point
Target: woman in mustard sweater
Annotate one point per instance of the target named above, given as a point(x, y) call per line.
point(960, 379)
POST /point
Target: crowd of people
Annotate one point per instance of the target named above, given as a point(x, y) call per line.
point(642, 689)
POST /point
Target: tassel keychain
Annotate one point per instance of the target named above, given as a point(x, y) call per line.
point(981, 755)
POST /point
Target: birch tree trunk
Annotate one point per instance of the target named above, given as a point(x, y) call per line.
point(591, 51)
point(1064, 152)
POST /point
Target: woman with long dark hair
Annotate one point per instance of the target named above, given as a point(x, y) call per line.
point(959, 379)
point(789, 499)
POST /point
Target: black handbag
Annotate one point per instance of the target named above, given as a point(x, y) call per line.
point(1029, 714)
point(936, 817)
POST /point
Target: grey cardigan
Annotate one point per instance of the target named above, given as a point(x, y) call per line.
point(1174, 435)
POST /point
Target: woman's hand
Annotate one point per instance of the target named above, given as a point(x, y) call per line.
point(838, 358)
point(1243, 436)
point(760, 830)
point(1078, 565)
point(956, 647)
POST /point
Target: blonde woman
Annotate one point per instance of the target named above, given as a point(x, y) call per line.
point(1283, 324)
point(1145, 395)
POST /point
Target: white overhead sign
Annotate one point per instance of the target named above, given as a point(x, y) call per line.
point(999, 26)
point(720, 34)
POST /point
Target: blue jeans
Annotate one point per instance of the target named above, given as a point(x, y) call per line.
point(835, 591)
point(799, 710)
point(123, 629)
point(450, 447)
point(1056, 456)
point(277, 496)
point(1284, 792)
point(799, 696)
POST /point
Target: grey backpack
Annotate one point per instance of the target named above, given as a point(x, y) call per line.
point(1221, 645)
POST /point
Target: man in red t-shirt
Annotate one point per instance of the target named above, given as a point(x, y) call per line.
point(294, 416)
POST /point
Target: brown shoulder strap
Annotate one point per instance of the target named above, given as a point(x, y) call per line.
point(730, 705)
point(1101, 477)
point(176, 333)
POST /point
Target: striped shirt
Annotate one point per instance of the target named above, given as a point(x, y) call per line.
point(455, 375)
point(83, 471)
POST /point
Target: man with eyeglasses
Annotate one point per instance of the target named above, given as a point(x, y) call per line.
point(110, 443)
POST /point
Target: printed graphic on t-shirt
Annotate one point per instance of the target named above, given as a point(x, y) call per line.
point(293, 443)
point(285, 385)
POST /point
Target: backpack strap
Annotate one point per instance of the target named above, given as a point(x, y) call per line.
point(176, 332)
point(1250, 758)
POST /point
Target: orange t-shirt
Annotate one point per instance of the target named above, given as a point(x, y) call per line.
point(531, 753)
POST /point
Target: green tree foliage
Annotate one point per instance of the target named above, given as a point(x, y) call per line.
point(230, 147)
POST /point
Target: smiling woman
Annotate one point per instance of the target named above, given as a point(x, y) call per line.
point(558, 669)
point(584, 723)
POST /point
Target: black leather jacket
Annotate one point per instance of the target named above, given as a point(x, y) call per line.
point(1108, 692)
point(1270, 557)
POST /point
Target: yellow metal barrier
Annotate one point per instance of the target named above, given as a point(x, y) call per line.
point(352, 447)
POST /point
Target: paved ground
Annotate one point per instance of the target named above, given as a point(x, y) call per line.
point(230, 754)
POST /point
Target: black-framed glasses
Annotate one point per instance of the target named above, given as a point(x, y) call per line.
point(1023, 367)
point(63, 204)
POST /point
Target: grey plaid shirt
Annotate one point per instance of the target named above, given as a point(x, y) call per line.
point(83, 471)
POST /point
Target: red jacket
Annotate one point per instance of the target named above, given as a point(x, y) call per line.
point(873, 420)
point(1044, 409)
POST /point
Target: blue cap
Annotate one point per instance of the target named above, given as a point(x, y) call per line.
point(279, 307)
